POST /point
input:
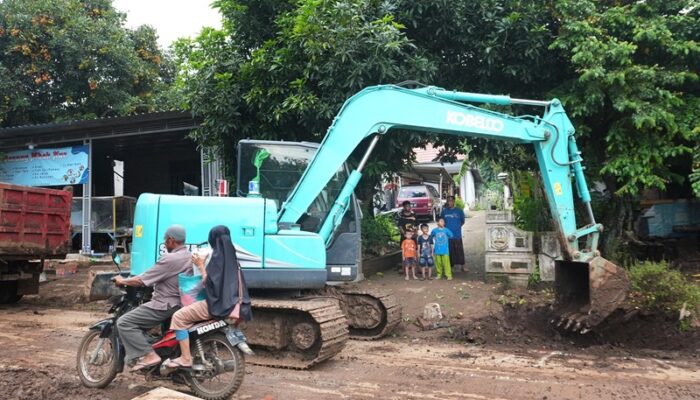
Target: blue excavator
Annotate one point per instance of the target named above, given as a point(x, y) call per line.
point(295, 221)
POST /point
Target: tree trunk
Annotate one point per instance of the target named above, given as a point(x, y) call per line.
point(617, 218)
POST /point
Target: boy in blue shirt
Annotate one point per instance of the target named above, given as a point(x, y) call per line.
point(454, 219)
point(441, 250)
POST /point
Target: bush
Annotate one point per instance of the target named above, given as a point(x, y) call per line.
point(459, 203)
point(379, 234)
point(657, 287)
point(534, 278)
point(532, 214)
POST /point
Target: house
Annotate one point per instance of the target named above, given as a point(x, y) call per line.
point(445, 177)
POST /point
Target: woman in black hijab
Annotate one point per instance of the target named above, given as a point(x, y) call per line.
point(226, 290)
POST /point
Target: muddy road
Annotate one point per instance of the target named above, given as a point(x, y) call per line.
point(37, 361)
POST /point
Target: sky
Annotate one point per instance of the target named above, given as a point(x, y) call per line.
point(172, 19)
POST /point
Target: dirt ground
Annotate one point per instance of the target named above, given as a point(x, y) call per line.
point(489, 352)
point(499, 345)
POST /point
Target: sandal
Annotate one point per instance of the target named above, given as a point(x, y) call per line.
point(175, 364)
point(142, 365)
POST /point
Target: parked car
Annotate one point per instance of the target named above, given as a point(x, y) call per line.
point(425, 200)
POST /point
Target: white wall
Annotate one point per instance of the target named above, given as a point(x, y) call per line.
point(467, 190)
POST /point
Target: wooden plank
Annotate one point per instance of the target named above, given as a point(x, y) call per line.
point(162, 393)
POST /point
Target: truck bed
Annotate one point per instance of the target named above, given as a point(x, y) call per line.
point(34, 222)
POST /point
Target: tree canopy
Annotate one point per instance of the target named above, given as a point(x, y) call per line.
point(633, 88)
point(282, 70)
point(73, 59)
point(626, 71)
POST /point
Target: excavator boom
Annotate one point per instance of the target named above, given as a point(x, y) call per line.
point(375, 111)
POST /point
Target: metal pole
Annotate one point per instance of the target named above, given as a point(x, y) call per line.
point(484, 98)
point(541, 103)
point(361, 166)
point(87, 204)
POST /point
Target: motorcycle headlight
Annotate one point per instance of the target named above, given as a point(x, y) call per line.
point(114, 300)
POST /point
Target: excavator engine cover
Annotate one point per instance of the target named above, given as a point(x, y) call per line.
point(587, 293)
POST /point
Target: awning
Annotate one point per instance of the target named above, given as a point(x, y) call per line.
point(428, 172)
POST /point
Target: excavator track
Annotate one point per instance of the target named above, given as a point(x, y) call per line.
point(295, 334)
point(372, 313)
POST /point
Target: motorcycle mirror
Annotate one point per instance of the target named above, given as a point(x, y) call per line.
point(116, 259)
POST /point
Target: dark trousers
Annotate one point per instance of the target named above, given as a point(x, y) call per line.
point(131, 327)
point(456, 252)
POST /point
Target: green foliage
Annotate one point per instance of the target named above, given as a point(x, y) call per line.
point(534, 278)
point(657, 287)
point(71, 59)
point(531, 214)
point(626, 71)
point(530, 209)
point(286, 74)
point(459, 203)
point(633, 91)
point(695, 175)
point(379, 234)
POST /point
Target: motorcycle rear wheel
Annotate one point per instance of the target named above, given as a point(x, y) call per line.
point(217, 349)
point(106, 358)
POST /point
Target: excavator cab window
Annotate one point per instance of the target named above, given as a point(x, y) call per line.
point(277, 167)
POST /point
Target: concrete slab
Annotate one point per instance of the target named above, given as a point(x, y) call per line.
point(162, 393)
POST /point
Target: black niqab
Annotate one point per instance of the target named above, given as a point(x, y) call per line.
point(222, 277)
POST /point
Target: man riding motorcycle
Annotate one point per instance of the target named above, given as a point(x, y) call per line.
point(164, 302)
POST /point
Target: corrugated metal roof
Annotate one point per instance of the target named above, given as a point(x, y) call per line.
point(98, 128)
point(90, 122)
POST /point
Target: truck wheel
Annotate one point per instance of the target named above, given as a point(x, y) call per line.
point(8, 293)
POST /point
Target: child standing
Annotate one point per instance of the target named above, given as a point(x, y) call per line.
point(425, 244)
point(408, 254)
point(441, 237)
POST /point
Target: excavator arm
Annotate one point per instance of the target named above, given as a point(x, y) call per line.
point(375, 111)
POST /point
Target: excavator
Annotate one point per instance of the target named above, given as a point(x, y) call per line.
point(296, 224)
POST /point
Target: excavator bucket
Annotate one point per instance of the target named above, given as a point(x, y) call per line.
point(100, 286)
point(587, 293)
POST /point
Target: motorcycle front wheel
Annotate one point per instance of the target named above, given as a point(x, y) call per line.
point(224, 368)
point(97, 361)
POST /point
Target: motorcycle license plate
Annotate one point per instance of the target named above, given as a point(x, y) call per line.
point(234, 336)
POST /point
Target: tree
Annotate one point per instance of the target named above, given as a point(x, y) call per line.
point(289, 82)
point(633, 91)
point(626, 71)
point(72, 59)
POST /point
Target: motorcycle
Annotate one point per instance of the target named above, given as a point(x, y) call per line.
point(218, 348)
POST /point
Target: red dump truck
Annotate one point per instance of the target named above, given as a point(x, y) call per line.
point(34, 226)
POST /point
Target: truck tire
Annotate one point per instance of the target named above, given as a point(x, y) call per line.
point(8, 293)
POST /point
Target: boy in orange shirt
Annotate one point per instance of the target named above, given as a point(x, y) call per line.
point(408, 254)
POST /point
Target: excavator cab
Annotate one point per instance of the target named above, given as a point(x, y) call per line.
point(276, 168)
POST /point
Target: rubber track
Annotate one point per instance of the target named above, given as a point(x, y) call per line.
point(333, 332)
point(391, 306)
